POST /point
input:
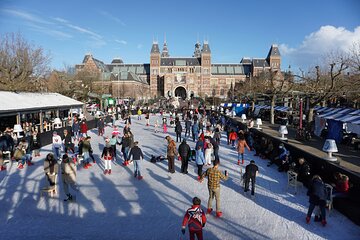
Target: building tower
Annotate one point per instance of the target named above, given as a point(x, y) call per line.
point(165, 51)
point(274, 58)
point(205, 87)
point(154, 69)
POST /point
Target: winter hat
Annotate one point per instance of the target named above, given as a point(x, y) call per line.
point(196, 201)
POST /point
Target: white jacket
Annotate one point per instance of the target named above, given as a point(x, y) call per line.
point(56, 141)
point(208, 153)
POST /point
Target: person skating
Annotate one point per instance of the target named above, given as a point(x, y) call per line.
point(107, 155)
point(195, 218)
point(232, 137)
point(209, 151)
point(56, 145)
point(171, 153)
point(68, 176)
point(241, 148)
point(35, 143)
point(187, 127)
point(251, 172)
point(86, 152)
point(184, 152)
point(76, 129)
point(317, 197)
point(83, 128)
point(136, 156)
point(125, 146)
point(147, 118)
point(68, 145)
point(214, 176)
point(195, 130)
point(51, 168)
point(100, 125)
point(200, 161)
point(178, 130)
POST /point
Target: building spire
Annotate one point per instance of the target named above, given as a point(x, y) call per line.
point(165, 51)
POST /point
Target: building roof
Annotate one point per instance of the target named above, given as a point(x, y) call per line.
point(12, 103)
point(260, 62)
point(245, 60)
point(230, 69)
point(141, 69)
point(155, 48)
point(180, 61)
point(206, 47)
point(117, 61)
point(99, 64)
point(274, 51)
point(127, 76)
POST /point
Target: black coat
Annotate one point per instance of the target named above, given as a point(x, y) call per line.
point(303, 172)
point(135, 153)
point(178, 128)
point(35, 142)
point(184, 150)
point(317, 192)
point(250, 170)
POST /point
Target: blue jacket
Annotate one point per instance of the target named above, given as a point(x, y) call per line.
point(283, 153)
point(200, 159)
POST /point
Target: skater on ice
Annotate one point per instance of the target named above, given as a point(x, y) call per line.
point(136, 155)
point(251, 171)
point(195, 219)
point(68, 176)
point(214, 176)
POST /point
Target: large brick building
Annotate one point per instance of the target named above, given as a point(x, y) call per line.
point(178, 76)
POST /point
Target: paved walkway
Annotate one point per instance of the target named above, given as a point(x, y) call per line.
point(349, 157)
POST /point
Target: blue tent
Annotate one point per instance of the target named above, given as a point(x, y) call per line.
point(241, 108)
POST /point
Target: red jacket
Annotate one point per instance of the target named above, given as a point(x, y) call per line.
point(195, 218)
point(233, 136)
point(83, 128)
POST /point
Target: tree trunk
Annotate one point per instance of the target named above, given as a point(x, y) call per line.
point(311, 114)
point(272, 117)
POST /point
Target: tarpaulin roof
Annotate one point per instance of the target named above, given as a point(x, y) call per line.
point(20, 102)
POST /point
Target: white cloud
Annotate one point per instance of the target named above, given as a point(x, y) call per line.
point(317, 44)
point(121, 41)
point(61, 20)
point(139, 46)
point(110, 16)
point(96, 40)
point(25, 15)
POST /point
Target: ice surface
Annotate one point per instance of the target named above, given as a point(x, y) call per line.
point(121, 207)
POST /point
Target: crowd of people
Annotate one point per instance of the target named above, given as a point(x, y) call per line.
point(72, 148)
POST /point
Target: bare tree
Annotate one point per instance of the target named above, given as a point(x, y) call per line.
point(274, 84)
point(325, 82)
point(22, 65)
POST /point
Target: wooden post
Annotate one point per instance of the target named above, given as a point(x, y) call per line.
point(18, 118)
point(41, 121)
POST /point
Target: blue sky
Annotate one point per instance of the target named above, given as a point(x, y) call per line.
point(304, 30)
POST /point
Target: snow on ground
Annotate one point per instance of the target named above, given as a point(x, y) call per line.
point(121, 207)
